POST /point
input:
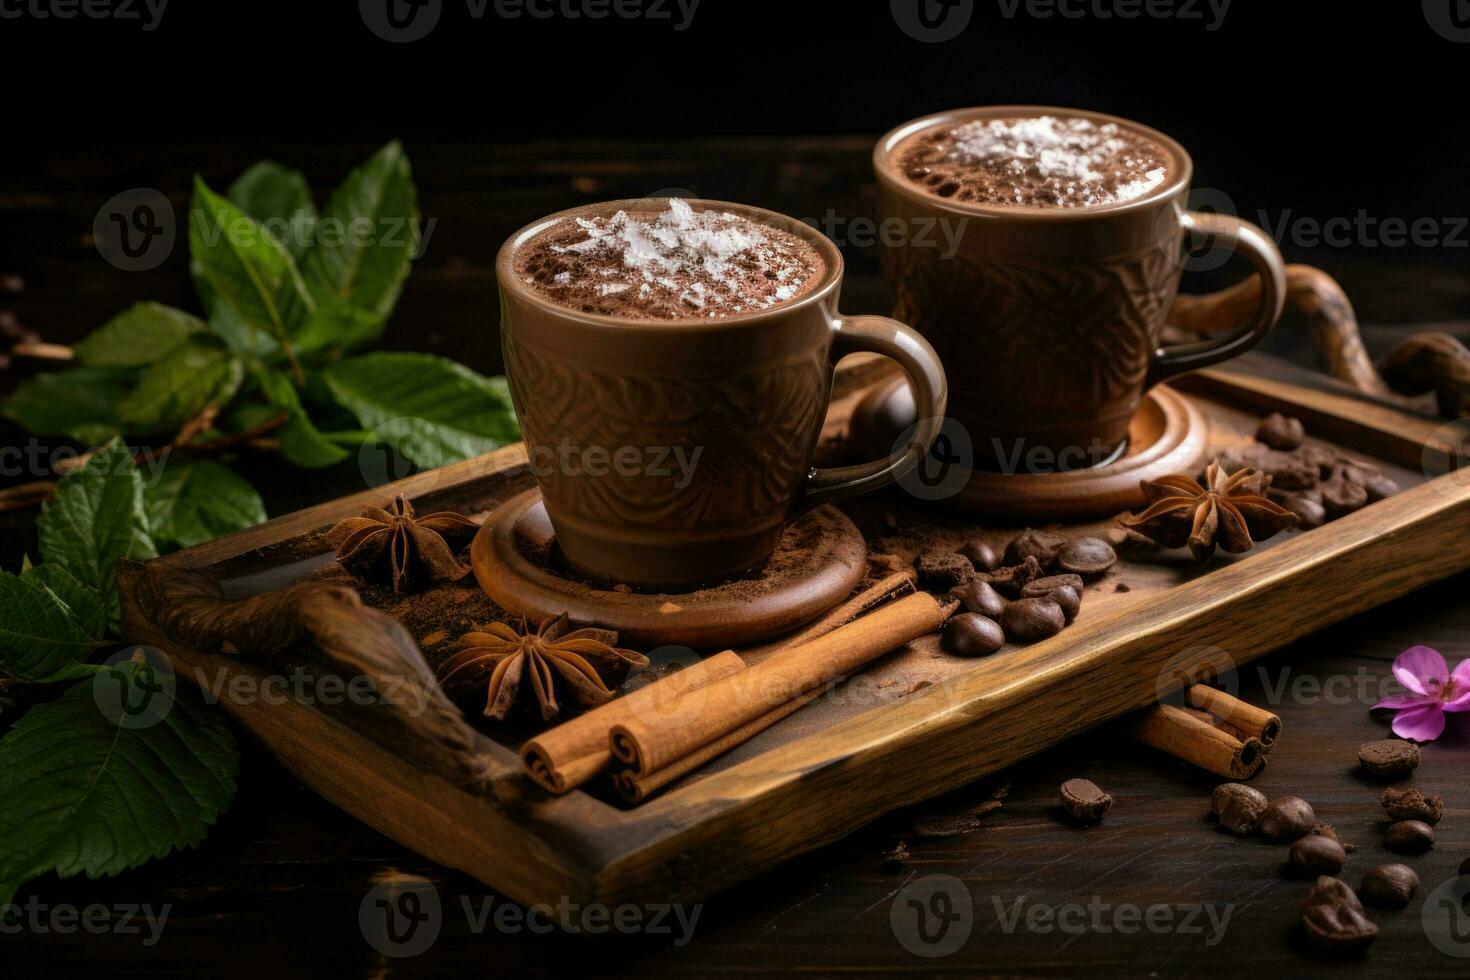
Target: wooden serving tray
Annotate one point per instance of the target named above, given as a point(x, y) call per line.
point(916, 724)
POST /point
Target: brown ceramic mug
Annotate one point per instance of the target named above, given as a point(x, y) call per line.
point(1050, 319)
point(715, 421)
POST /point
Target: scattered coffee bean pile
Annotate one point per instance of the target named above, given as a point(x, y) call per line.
point(1333, 918)
point(1314, 483)
point(1029, 593)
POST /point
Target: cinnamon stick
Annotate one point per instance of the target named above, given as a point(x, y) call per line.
point(894, 586)
point(648, 745)
point(570, 754)
point(635, 788)
point(1233, 713)
point(1185, 736)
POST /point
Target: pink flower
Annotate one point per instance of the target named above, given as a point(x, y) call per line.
point(1433, 690)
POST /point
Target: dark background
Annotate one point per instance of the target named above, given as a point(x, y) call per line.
point(1316, 109)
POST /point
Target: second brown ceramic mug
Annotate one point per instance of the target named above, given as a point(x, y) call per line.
point(702, 431)
point(1049, 320)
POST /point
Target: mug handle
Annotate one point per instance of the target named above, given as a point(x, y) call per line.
point(881, 335)
point(1246, 240)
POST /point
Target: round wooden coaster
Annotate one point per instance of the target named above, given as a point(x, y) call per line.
point(1167, 435)
point(820, 558)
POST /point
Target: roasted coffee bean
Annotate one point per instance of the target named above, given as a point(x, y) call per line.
point(1280, 432)
point(1287, 819)
point(1029, 620)
point(1340, 495)
point(1327, 830)
point(1042, 587)
point(1331, 891)
point(1305, 504)
point(972, 635)
point(1409, 837)
point(981, 555)
point(1338, 929)
point(1044, 546)
point(943, 569)
point(1410, 804)
point(979, 597)
point(1011, 579)
point(1369, 477)
point(1066, 597)
point(1388, 758)
point(1238, 806)
point(1389, 886)
point(1316, 855)
point(1089, 557)
point(1084, 801)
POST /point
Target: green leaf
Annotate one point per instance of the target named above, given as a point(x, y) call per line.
point(280, 199)
point(197, 501)
point(193, 375)
point(430, 409)
point(83, 601)
point(244, 268)
point(338, 326)
point(301, 442)
point(138, 336)
point(78, 403)
point(368, 233)
point(94, 518)
point(80, 793)
point(42, 637)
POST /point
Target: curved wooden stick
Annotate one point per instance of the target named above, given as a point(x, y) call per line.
point(409, 715)
point(1433, 362)
point(1330, 318)
point(1425, 362)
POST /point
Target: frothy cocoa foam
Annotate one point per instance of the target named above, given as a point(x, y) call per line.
point(1035, 162)
point(676, 264)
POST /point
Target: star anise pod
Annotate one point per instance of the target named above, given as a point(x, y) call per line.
point(510, 667)
point(1231, 512)
point(399, 545)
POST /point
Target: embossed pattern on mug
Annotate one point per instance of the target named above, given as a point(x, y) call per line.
point(751, 427)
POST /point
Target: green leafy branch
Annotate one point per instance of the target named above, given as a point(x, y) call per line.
point(81, 792)
point(289, 296)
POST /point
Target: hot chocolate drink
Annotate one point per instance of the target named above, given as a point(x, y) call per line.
point(1044, 161)
point(674, 264)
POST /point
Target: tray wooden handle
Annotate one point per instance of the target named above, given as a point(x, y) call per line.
point(1425, 362)
point(330, 628)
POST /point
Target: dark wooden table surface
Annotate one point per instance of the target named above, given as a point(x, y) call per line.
point(276, 888)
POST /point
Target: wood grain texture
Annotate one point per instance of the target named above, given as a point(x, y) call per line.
point(811, 786)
